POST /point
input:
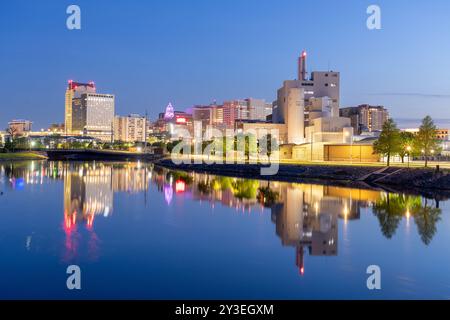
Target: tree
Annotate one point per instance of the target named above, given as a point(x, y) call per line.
point(426, 141)
point(10, 144)
point(12, 131)
point(171, 144)
point(246, 143)
point(389, 142)
point(406, 144)
point(208, 148)
point(268, 144)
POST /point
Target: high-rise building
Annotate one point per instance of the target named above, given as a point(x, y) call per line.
point(73, 94)
point(217, 116)
point(234, 110)
point(88, 112)
point(99, 109)
point(131, 128)
point(257, 109)
point(203, 114)
point(247, 109)
point(366, 117)
point(19, 127)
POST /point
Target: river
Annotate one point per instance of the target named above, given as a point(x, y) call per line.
point(142, 232)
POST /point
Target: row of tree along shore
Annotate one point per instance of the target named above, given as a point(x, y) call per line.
point(393, 142)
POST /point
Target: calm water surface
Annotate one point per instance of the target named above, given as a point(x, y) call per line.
point(148, 233)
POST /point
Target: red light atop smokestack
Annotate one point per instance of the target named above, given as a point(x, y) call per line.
point(302, 66)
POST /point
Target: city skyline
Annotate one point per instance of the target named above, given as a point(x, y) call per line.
point(181, 57)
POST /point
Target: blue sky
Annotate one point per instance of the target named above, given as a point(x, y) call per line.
point(148, 53)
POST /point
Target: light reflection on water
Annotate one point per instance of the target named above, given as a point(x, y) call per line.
point(311, 220)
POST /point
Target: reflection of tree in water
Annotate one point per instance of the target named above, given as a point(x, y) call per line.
point(216, 184)
point(426, 218)
point(389, 213)
point(241, 189)
point(267, 197)
point(245, 189)
point(391, 209)
point(204, 187)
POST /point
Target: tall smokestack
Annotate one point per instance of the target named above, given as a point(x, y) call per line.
point(302, 66)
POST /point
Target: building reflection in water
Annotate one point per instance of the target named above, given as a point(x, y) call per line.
point(306, 217)
point(89, 193)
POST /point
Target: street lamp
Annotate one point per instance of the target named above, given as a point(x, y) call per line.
point(432, 153)
point(408, 148)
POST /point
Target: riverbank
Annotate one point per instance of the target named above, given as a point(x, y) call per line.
point(100, 155)
point(421, 180)
point(21, 156)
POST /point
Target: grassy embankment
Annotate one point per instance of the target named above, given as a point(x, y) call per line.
point(13, 156)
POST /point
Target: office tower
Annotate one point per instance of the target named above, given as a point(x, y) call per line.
point(366, 118)
point(73, 94)
point(247, 109)
point(131, 128)
point(268, 109)
point(217, 116)
point(99, 112)
point(203, 114)
point(257, 109)
point(373, 117)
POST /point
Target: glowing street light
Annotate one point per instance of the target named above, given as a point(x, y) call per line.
point(408, 148)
